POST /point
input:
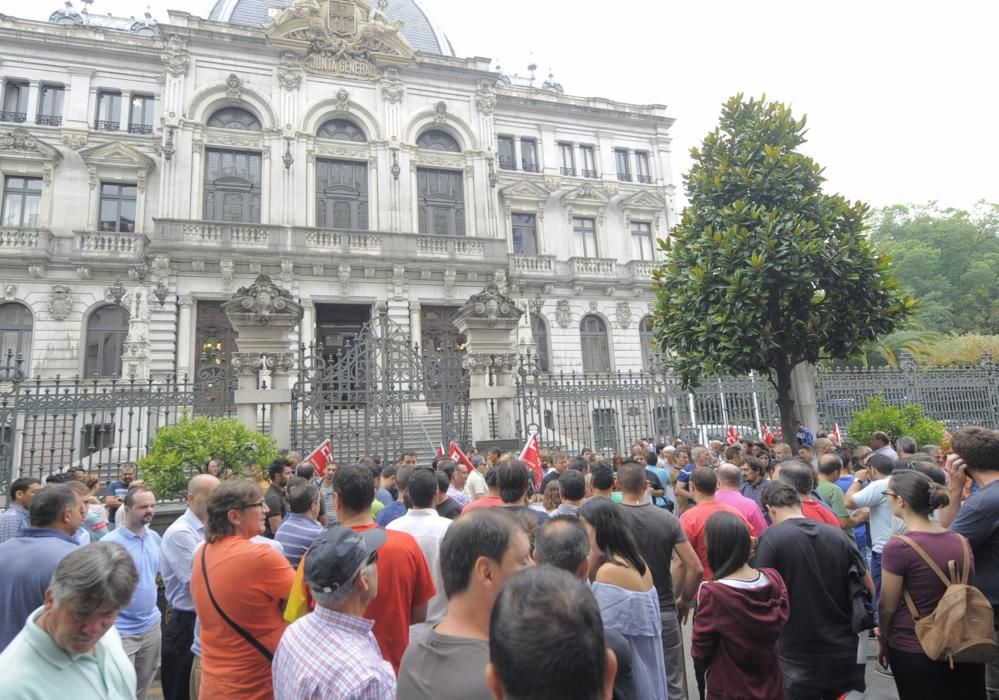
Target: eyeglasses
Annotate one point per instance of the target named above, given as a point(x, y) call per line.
point(893, 495)
point(258, 504)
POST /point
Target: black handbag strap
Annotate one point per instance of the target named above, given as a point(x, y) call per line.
point(242, 632)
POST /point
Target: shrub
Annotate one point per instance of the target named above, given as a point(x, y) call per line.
point(959, 350)
point(181, 450)
point(909, 420)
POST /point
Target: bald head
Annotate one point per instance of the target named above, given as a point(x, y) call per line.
point(199, 488)
point(729, 476)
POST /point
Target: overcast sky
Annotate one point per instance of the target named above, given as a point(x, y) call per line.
point(901, 97)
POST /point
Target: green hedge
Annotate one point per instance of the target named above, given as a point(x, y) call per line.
point(909, 420)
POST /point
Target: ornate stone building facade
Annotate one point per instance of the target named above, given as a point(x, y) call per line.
point(149, 170)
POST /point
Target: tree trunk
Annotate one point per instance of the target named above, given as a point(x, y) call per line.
point(785, 403)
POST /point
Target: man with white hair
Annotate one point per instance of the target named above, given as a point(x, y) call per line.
point(69, 647)
point(341, 571)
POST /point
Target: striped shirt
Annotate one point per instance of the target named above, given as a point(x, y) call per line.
point(12, 520)
point(460, 497)
point(296, 535)
point(304, 668)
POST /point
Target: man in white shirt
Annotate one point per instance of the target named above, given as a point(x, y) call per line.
point(428, 529)
point(475, 487)
point(873, 496)
point(180, 541)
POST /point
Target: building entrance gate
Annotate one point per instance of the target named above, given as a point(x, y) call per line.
point(378, 394)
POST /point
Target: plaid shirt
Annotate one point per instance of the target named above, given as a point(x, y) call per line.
point(330, 655)
point(12, 520)
point(460, 497)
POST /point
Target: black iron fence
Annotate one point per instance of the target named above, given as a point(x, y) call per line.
point(51, 425)
point(609, 411)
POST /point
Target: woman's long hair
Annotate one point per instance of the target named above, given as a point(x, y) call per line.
point(728, 542)
point(613, 536)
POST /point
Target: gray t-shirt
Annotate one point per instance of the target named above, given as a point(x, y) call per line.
point(657, 532)
point(443, 667)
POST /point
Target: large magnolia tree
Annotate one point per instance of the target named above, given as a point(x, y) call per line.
point(765, 270)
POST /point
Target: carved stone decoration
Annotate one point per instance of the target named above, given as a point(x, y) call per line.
point(226, 268)
point(60, 302)
point(342, 103)
point(279, 362)
point(490, 305)
point(485, 98)
point(234, 88)
point(287, 272)
point(593, 305)
point(175, 57)
point(563, 313)
point(9, 291)
point(440, 112)
point(623, 314)
point(499, 279)
point(161, 267)
point(18, 139)
point(83, 271)
point(74, 139)
point(247, 364)
point(578, 288)
point(289, 71)
point(610, 291)
point(198, 265)
point(343, 275)
point(36, 271)
point(480, 362)
point(449, 277)
point(399, 282)
point(262, 300)
point(392, 86)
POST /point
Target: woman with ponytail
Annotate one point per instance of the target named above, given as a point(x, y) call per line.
point(913, 497)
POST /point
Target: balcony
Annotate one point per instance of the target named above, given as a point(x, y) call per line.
point(588, 173)
point(624, 177)
point(110, 244)
point(644, 179)
point(15, 117)
point(102, 125)
point(23, 239)
point(316, 245)
point(48, 120)
point(592, 268)
point(640, 271)
point(532, 266)
point(568, 171)
point(529, 167)
point(507, 164)
point(145, 129)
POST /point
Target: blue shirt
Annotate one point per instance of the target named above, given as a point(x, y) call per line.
point(28, 562)
point(141, 613)
point(297, 534)
point(860, 532)
point(394, 510)
point(805, 437)
point(12, 521)
point(177, 559)
point(978, 520)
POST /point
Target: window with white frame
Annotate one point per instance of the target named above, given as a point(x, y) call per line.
point(641, 241)
point(22, 198)
point(567, 159)
point(16, 324)
point(642, 173)
point(587, 161)
point(529, 155)
point(108, 111)
point(107, 329)
point(584, 231)
point(15, 102)
point(623, 164)
point(525, 234)
point(506, 153)
point(140, 119)
point(540, 332)
point(595, 344)
point(117, 207)
point(50, 105)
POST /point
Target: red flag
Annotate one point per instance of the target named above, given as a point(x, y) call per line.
point(731, 438)
point(458, 457)
point(321, 456)
point(531, 457)
point(835, 434)
point(768, 436)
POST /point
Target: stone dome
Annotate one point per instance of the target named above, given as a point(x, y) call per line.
point(417, 27)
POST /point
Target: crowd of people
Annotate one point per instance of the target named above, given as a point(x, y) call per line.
point(479, 580)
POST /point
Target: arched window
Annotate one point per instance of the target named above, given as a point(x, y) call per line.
point(540, 332)
point(107, 328)
point(235, 118)
point(595, 344)
point(342, 130)
point(15, 337)
point(648, 341)
point(437, 140)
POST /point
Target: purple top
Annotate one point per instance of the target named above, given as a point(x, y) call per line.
point(924, 586)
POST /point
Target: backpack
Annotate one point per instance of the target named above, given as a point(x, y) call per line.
point(959, 630)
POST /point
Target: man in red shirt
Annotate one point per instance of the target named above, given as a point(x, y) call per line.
point(405, 585)
point(703, 484)
point(492, 498)
point(801, 478)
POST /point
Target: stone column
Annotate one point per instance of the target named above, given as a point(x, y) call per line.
point(803, 391)
point(489, 322)
point(264, 315)
point(136, 348)
point(184, 328)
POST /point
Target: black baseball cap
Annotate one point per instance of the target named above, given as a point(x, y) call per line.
point(338, 554)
